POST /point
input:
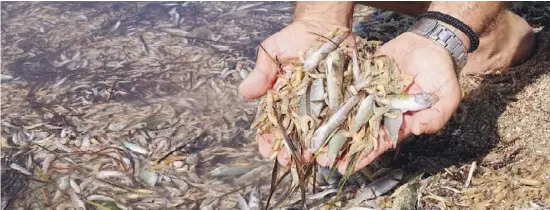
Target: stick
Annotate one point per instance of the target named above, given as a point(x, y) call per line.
point(470, 174)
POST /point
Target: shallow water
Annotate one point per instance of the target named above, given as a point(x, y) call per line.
point(90, 89)
point(80, 77)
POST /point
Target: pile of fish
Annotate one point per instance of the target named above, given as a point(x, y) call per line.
point(107, 109)
point(337, 100)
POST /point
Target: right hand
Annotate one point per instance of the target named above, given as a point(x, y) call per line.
point(284, 45)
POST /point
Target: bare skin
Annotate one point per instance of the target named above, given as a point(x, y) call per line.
point(505, 40)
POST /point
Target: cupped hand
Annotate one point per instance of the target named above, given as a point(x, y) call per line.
point(428, 62)
point(434, 72)
point(284, 46)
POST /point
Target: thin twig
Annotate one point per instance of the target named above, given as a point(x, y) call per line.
point(272, 60)
point(470, 174)
point(330, 40)
point(273, 182)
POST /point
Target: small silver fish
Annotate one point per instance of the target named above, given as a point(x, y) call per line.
point(321, 134)
point(378, 187)
point(364, 112)
point(335, 78)
point(412, 102)
point(312, 61)
point(393, 123)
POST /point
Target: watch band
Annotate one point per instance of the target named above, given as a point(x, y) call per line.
point(432, 29)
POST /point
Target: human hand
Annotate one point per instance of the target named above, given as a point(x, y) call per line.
point(284, 45)
point(433, 69)
point(424, 59)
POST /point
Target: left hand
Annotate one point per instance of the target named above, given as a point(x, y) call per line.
point(434, 72)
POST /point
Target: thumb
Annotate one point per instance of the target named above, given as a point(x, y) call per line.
point(260, 79)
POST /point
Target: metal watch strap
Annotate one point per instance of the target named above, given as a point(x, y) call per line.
point(432, 29)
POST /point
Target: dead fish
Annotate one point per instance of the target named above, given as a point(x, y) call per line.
point(19, 168)
point(117, 126)
point(378, 187)
point(248, 6)
point(47, 162)
point(321, 134)
point(76, 201)
point(114, 27)
point(107, 174)
point(5, 78)
point(364, 112)
point(20, 138)
point(74, 185)
point(335, 78)
point(63, 183)
point(335, 144)
point(393, 123)
point(325, 172)
point(175, 32)
point(312, 61)
point(411, 102)
point(182, 185)
point(316, 94)
point(149, 177)
point(80, 17)
point(241, 202)
point(250, 175)
point(226, 72)
point(254, 200)
point(231, 171)
point(100, 198)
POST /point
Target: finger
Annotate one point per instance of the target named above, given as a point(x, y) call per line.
point(264, 144)
point(261, 78)
point(433, 119)
point(365, 157)
point(283, 157)
point(322, 159)
point(428, 121)
point(349, 44)
point(265, 147)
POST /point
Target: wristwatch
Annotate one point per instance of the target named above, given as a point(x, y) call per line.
point(434, 30)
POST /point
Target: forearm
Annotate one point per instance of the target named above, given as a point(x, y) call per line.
point(334, 12)
point(477, 15)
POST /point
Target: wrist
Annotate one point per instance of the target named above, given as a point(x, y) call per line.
point(438, 33)
point(461, 35)
point(335, 13)
point(475, 15)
